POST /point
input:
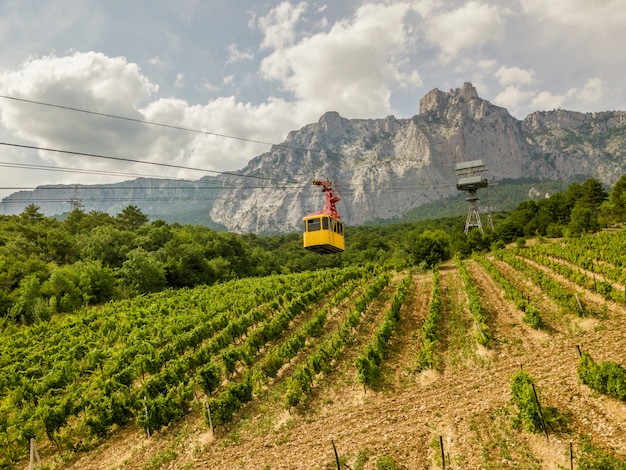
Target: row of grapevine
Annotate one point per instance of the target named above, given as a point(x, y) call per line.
point(119, 333)
point(426, 358)
point(532, 416)
point(605, 377)
point(118, 380)
point(535, 417)
point(575, 274)
point(238, 392)
point(602, 253)
point(569, 302)
point(279, 354)
point(531, 315)
point(150, 379)
point(301, 381)
point(483, 332)
point(368, 363)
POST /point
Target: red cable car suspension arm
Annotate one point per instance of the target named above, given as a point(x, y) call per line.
point(329, 208)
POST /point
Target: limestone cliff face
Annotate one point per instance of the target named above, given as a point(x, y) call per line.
point(573, 144)
point(384, 167)
point(387, 166)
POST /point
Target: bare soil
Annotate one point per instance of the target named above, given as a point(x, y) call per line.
point(466, 402)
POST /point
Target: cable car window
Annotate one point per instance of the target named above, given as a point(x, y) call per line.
point(313, 225)
point(324, 223)
point(340, 228)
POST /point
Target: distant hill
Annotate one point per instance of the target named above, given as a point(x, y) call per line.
point(384, 169)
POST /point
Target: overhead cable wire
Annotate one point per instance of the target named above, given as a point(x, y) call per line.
point(169, 126)
point(147, 198)
point(139, 121)
point(79, 170)
point(130, 160)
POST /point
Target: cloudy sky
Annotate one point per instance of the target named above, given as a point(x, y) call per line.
point(255, 70)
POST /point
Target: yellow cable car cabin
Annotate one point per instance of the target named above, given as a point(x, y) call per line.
point(323, 230)
point(323, 234)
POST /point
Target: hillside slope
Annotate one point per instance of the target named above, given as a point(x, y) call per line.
point(465, 399)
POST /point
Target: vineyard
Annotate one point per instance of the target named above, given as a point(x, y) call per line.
point(508, 359)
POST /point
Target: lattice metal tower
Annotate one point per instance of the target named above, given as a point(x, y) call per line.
point(76, 201)
point(469, 179)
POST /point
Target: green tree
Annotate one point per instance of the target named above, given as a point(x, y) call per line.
point(617, 198)
point(154, 236)
point(108, 245)
point(131, 218)
point(508, 231)
point(431, 248)
point(31, 213)
point(185, 264)
point(62, 289)
point(142, 272)
point(96, 282)
point(583, 219)
point(73, 221)
point(29, 305)
point(593, 194)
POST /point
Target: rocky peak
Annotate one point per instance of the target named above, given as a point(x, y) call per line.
point(437, 101)
point(331, 121)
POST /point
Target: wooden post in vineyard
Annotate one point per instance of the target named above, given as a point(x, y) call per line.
point(543, 421)
point(336, 455)
point(208, 411)
point(443, 455)
point(145, 409)
point(580, 306)
point(34, 454)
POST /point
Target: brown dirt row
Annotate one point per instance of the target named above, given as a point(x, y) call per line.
point(468, 406)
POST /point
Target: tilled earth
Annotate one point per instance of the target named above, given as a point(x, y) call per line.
point(465, 402)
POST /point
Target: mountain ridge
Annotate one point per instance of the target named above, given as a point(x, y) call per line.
point(384, 168)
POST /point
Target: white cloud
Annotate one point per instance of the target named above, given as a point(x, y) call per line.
point(156, 61)
point(468, 26)
point(226, 116)
point(562, 53)
point(279, 24)
point(426, 7)
point(519, 100)
point(589, 95)
point(180, 80)
point(84, 80)
point(90, 81)
point(596, 15)
point(349, 68)
point(95, 82)
point(514, 76)
point(210, 87)
point(545, 101)
point(235, 55)
point(514, 99)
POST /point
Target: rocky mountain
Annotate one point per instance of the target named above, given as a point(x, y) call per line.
point(383, 168)
point(171, 200)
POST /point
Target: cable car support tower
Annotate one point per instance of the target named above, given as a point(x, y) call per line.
point(470, 180)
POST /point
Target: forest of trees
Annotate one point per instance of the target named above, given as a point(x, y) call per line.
point(50, 266)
